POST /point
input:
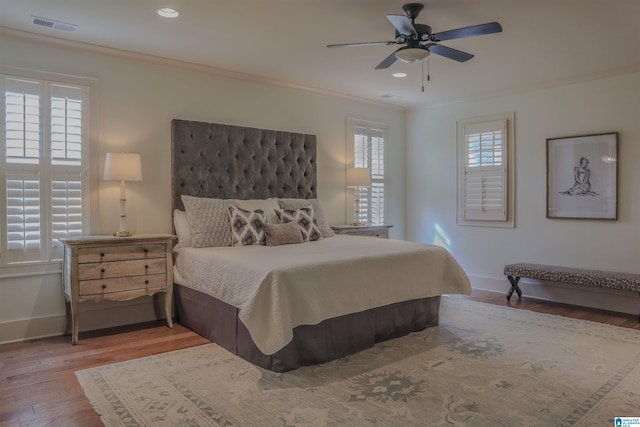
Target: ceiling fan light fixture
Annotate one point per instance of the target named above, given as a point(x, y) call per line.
point(412, 54)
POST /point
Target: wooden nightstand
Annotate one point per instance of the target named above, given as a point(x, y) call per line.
point(372, 230)
point(101, 268)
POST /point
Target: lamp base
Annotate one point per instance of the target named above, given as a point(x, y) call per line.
point(123, 234)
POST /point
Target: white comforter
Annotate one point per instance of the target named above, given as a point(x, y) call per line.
point(278, 288)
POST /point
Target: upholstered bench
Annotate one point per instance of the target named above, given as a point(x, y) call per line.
point(576, 276)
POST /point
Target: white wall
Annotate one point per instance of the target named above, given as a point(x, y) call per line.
point(605, 105)
point(137, 100)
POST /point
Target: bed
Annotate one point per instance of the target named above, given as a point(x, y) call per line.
point(287, 306)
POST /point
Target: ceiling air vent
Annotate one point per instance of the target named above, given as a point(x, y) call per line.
point(56, 25)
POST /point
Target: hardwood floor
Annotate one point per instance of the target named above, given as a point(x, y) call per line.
point(609, 317)
point(38, 385)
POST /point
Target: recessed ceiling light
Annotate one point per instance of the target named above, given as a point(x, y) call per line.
point(167, 12)
point(399, 75)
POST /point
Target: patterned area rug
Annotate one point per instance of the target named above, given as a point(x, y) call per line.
point(484, 365)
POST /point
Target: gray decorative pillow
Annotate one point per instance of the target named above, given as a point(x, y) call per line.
point(208, 221)
point(305, 218)
point(321, 218)
point(283, 234)
point(247, 227)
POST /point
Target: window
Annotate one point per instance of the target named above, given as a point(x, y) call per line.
point(485, 171)
point(45, 150)
point(366, 149)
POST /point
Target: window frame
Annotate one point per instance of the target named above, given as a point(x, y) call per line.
point(508, 157)
point(366, 193)
point(51, 254)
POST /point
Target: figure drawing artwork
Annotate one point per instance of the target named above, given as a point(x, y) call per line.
point(582, 183)
point(582, 177)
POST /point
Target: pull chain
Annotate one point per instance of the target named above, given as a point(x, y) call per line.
point(428, 72)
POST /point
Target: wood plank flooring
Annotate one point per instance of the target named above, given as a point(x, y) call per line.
point(38, 386)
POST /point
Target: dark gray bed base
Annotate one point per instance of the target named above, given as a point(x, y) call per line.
point(311, 344)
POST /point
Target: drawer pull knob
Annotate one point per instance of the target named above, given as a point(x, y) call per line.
point(146, 266)
point(146, 282)
point(102, 270)
point(101, 254)
point(104, 286)
point(145, 250)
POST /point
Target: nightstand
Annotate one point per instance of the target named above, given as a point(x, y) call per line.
point(372, 230)
point(107, 268)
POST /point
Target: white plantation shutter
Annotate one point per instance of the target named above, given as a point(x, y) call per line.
point(377, 202)
point(45, 140)
point(361, 147)
point(66, 208)
point(377, 176)
point(485, 171)
point(368, 151)
point(22, 122)
point(66, 125)
point(66, 163)
point(23, 216)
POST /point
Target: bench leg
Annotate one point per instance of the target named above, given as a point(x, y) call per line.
point(514, 287)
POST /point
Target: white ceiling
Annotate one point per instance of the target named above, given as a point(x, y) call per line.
point(544, 42)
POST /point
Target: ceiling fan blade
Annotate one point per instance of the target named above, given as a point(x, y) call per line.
point(362, 44)
point(448, 52)
point(403, 25)
point(388, 61)
point(474, 30)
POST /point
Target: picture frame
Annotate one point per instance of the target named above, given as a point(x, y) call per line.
point(582, 177)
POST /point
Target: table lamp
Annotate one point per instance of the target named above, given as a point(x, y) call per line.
point(122, 167)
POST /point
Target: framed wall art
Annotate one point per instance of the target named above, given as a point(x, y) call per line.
point(582, 174)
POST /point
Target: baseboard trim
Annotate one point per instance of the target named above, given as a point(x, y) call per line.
point(584, 296)
point(92, 317)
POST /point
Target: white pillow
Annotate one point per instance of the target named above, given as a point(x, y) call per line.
point(181, 225)
point(208, 221)
point(269, 207)
point(320, 217)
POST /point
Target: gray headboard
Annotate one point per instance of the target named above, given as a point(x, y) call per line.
point(233, 162)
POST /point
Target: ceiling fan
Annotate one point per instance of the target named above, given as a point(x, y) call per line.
point(418, 40)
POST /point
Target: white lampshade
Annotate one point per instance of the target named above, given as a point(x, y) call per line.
point(358, 177)
point(412, 54)
point(122, 167)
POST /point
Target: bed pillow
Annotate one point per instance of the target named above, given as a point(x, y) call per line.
point(305, 218)
point(282, 234)
point(269, 207)
point(247, 227)
point(181, 224)
point(208, 221)
point(321, 218)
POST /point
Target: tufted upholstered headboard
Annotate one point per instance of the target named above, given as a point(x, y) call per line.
point(233, 162)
